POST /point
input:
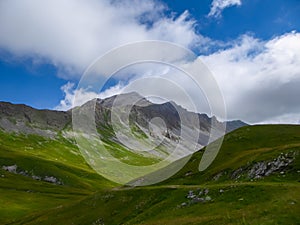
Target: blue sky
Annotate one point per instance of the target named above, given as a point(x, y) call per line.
point(34, 69)
point(264, 18)
point(37, 86)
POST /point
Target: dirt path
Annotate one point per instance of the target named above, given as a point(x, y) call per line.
point(253, 183)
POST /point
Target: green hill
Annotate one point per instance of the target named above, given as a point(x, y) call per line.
point(255, 179)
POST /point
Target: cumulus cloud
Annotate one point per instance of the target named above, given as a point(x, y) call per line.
point(70, 91)
point(260, 80)
point(71, 34)
point(217, 6)
point(83, 95)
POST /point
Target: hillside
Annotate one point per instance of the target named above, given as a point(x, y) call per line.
point(254, 180)
point(20, 118)
point(125, 127)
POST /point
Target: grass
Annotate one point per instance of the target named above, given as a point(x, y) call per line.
point(22, 196)
point(244, 147)
point(87, 198)
point(239, 204)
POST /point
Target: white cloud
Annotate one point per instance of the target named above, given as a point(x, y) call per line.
point(70, 92)
point(67, 102)
point(217, 6)
point(71, 34)
point(83, 95)
point(260, 80)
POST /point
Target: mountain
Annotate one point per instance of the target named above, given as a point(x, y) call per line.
point(24, 119)
point(132, 130)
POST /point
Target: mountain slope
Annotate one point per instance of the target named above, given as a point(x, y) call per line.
point(24, 119)
point(245, 149)
point(125, 127)
point(48, 123)
point(189, 197)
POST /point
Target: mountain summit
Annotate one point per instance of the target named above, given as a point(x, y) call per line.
point(20, 118)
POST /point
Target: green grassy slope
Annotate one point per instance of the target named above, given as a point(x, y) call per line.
point(86, 198)
point(243, 148)
point(21, 195)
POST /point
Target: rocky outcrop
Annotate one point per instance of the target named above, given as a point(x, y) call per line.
point(14, 169)
point(198, 196)
point(266, 168)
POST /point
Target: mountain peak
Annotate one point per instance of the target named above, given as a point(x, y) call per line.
point(124, 99)
point(24, 119)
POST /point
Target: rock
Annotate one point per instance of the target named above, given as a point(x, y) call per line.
point(207, 198)
point(11, 169)
point(262, 169)
point(258, 170)
point(24, 173)
point(191, 195)
point(183, 204)
point(197, 199)
point(217, 177)
point(36, 177)
point(206, 191)
point(52, 179)
point(237, 173)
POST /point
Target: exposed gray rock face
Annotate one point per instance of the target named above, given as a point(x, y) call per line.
point(265, 168)
point(20, 118)
point(173, 115)
point(23, 119)
point(11, 169)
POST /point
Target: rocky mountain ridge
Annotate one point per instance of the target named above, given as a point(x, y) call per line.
point(20, 118)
